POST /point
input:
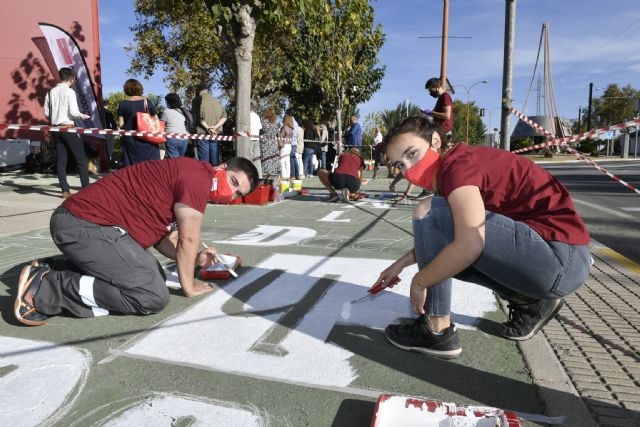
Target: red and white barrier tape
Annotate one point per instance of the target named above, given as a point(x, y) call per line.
point(577, 153)
point(96, 131)
point(573, 138)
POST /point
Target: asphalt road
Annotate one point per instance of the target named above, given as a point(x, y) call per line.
point(610, 210)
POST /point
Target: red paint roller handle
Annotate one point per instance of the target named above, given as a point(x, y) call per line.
point(378, 287)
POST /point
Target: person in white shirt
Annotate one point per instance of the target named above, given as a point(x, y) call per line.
point(61, 108)
point(378, 152)
point(255, 126)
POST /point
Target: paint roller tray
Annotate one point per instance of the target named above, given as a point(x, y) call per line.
point(217, 270)
point(414, 411)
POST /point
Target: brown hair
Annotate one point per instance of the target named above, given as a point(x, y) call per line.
point(288, 120)
point(270, 115)
point(132, 87)
point(421, 127)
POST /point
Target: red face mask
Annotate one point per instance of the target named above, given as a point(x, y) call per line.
point(221, 191)
point(423, 172)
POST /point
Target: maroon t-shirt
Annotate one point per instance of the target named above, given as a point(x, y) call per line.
point(350, 164)
point(140, 198)
point(515, 187)
point(444, 100)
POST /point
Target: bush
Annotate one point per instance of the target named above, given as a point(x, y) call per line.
point(548, 154)
point(525, 143)
point(587, 146)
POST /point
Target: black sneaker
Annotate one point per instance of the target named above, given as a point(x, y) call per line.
point(28, 285)
point(527, 319)
point(416, 337)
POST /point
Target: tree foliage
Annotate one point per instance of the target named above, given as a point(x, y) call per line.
point(392, 118)
point(334, 59)
point(614, 106)
point(477, 128)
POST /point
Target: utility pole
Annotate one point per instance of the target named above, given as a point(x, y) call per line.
point(579, 117)
point(507, 72)
point(589, 107)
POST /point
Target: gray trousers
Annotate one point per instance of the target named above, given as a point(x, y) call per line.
point(105, 271)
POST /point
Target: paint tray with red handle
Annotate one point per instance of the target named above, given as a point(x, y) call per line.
point(414, 411)
point(220, 270)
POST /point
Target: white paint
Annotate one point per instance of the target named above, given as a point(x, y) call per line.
point(603, 209)
point(165, 410)
point(223, 342)
point(346, 310)
point(333, 217)
point(86, 293)
point(631, 209)
point(375, 204)
point(46, 382)
point(262, 235)
point(407, 412)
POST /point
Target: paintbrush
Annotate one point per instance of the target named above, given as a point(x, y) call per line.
point(377, 288)
point(219, 261)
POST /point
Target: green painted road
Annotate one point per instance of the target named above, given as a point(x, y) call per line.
point(269, 348)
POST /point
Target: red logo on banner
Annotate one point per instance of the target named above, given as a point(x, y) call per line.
point(63, 45)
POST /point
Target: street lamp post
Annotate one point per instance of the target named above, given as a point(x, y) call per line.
point(468, 106)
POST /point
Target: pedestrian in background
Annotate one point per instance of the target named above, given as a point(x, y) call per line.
point(61, 108)
point(354, 135)
point(324, 145)
point(442, 112)
point(209, 115)
point(135, 150)
point(176, 122)
point(286, 135)
point(269, 145)
point(255, 127)
point(310, 144)
point(110, 123)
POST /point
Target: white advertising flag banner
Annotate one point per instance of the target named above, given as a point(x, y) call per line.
point(66, 53)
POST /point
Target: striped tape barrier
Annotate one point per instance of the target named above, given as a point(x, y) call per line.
point(96, 131)
point(577, 153)
point(573, 138)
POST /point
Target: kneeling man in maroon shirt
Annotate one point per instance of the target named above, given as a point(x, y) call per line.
point(105, 230)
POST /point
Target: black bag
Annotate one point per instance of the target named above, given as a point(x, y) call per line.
point(189, 122)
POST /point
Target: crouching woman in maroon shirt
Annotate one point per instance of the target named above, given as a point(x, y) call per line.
point(497, 220)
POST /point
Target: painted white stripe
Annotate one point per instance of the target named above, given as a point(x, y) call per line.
point(631, 209)
point(603, 209)
point(86, 293)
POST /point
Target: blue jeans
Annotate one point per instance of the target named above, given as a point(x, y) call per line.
point(294, 162)
point(176, 147)
point(307, 160)
point(515, 259)
point(323, 160)
point(209, 151)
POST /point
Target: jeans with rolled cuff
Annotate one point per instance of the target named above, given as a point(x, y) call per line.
point(515, 259)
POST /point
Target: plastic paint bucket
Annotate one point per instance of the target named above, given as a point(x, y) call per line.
point(297, 184)
point(284, 186)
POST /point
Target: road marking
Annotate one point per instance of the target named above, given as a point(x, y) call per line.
point(603, 209)
point(271, 235)
point(631, 209)
point(165, 409)
point(333, 217)
point(40, 381)
point(620, 259)
point(275, 320)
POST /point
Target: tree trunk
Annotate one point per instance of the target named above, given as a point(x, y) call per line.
point(244, 30)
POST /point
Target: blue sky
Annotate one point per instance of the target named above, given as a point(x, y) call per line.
point(591, 41)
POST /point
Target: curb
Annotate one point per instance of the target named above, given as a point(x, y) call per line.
point(557, 393)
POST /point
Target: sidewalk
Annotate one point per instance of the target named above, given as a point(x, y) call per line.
point(585, 364)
